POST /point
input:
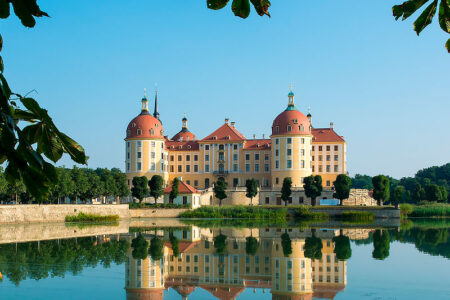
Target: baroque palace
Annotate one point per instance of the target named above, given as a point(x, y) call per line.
point(296, 149)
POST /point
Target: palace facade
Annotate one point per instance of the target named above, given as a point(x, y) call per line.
point(295, 149)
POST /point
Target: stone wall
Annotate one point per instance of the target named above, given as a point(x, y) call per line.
point(32, 213)
point(359, 197)
point(156, 213)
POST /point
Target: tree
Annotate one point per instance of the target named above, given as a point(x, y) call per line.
point(342, 247)
point(65, 185)
point(251, 246)
point(139, 189)
point(398, 196)
point(140, 247)
point(286, 190)
point(120, 179)
point(381, 239)
point(444, 194)
point(342, 187)
point(156, 248)
point(380, 189)
point(286, 244)
point(313, 187)
point(94, 187)
point(362, 182)
point(432, 192)
point(80, 181)
point(419, 193)
point(156, 187)
point(15, 190)
point(174, 192)
point(174, 241)
point(313, 247)
point(252, 189)
point(220, 243)
point(220, 190)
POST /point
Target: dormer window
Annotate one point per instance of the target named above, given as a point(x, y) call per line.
point(156, 125)
point(180, 147)
point(128, 132)
point(161, 132)
point(187, 138)
point(214, 137)
point(133, 125)
point(295, 121)
point(301, 127)
point(189, 146)
point(152, 132)
point(139, 132)
point(277, 129)
point(227, 137)
point(257, 145)
point(289, 128)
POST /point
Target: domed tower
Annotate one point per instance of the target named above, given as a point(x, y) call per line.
point(291, 146)
point(184, 134)
point(145, 152)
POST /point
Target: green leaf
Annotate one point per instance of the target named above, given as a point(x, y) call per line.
point(32, 133)
point(241, 8)
point(447, 45)
point(1, 65)
point(75, 151)
point(6, 91)
point(24, 115)
point(444, 15)
point(50, 172)
point(1, 42)
point(4, 9)
point(425, 18)
point(411, 6)
point(50, 146)
point(261, 7)
point(216, 4)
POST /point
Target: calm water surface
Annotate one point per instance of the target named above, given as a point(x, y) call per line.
point(221, 262)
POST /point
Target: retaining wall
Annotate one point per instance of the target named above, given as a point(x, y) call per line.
point(32, 213)
point(156, 213)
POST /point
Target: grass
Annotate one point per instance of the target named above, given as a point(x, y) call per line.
point(91, 218)
point(236, 212)
point(356, 216)
point(235, 223)
point(426, 210)
point(304, 213)
point(158, 205)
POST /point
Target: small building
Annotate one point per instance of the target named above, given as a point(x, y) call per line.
point(187, 195)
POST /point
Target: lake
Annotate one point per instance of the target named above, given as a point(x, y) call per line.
point(169, 259)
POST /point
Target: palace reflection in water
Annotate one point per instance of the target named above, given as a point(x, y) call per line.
point(228, 274)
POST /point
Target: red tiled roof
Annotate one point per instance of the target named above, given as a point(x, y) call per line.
point(257, 144)
point(182, 146)
point(146, 124)
point(184, 135)
point(326, 135)
point(223, 293)
point(296, 120)
point(225, 132)
point(183, 188)
point(182, 246)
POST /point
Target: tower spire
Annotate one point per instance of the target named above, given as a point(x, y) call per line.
point(156, 113)
point(291, 104)
point(184, 123)
point(144, 102)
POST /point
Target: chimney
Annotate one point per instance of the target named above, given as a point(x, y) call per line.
point(233, 124)
point(331, 125)
point(227, 120)
point(254, 136)
point(264, 136)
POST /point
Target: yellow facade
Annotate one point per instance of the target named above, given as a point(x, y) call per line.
point(229, 155)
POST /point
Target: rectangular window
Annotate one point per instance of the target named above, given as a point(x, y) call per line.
point(320, 148)
point(180, 169)
point(336, 157)
point(328, 157)
point(303, 140)
point(289, 140)
point(188, 258)
point(336, 168)
point(247, 156)
point(185, 202)
point(312, 158)
point(328, 168)
point(300, 200)
point(247, 167)
point(195, 168)
point(206, 168)
point(188, 168)
point(277, 141)
point(139, 154)
point(188, 158)
point(139, 166)
point(266, 157)
point(302, 152)
point(128, 166)
point(257, 168)
point(153, 144)
point(336, 148)
point(207, 157)
point(302, 165)
point(171, 169)
point(153, 167)
point(328, 148)
point(289, 164)
point(312, 148)
point(328, 183)
point(206, 147)
point(277, 180)
point(289, 264)
point(256, 156)
point(195, 183)
point(266, 167)
point(139, 144)
point(235, 167)
point(277, 164)
point(206, 269)
point(195, 269)
point(180, 158)
point(235, 146)
point(195, 157)
point(320, 169)
point(289, 152)
point(153, 154)
point(276, 152)
point(320, 157)
point(171, 158)
point(267, 200)
point(312, 168)
point(235, 157)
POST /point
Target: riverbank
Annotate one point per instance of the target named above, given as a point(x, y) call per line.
point(427, 210)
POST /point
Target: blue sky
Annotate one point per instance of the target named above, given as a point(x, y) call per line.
point(385, 89)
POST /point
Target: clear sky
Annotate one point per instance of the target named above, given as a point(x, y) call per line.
point(386, 90)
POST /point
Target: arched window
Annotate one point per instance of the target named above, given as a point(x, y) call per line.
point(289, 128)
point(139, 132)
point(302, 128)
point(152, 132)
point(156, 125)
point(161, 132)
point(277, 129)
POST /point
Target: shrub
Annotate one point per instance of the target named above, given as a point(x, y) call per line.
point(82, 217)
point(431, 210)
point(406, 209)
point(236, 212)
point(356, 216)
point(303, 212)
